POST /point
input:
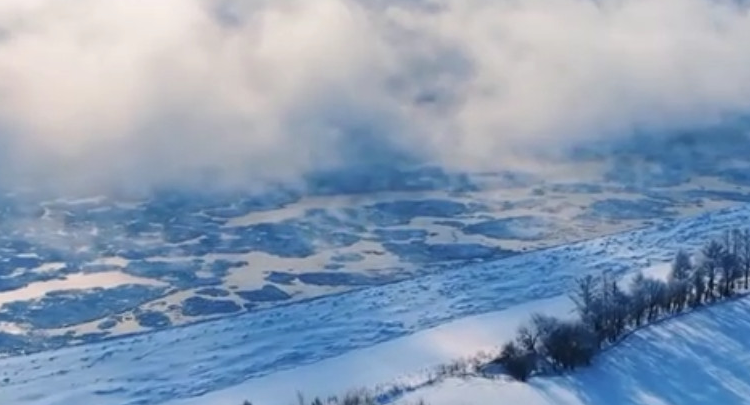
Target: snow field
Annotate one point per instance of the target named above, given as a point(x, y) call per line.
point(182, 363)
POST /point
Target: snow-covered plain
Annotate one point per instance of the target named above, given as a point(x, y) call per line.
point(177, 259)
point(221, 289)
point(195, 360)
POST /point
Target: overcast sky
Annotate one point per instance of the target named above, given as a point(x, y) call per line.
point(103, 93)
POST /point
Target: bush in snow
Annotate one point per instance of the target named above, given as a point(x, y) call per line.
point(360, 397)
point(518, 362)
point(570, 344)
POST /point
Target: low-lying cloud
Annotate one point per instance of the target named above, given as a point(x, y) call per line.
point(129, 93)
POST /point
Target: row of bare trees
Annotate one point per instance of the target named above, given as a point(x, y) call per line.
point(606, 310)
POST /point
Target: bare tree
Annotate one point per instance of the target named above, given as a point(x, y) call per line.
point(699, 285)
point(638, 299)
point(678, 291)
point(656, 296)
point(528, 338)
point(681, 266)
point(584, 295)
point(736, 242)
point(729, 273)
point(678, 281)
point(712, 255)
point(617, 310)
point(543, 325)
point(744, 255)
point(726, 240)
point(590, 298)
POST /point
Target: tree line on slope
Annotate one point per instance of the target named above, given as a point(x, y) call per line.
point(606, 311)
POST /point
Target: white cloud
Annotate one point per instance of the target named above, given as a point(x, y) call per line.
point(120, 91)
point(557, 71)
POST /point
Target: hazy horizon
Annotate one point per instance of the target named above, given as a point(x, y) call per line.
point(98, 95)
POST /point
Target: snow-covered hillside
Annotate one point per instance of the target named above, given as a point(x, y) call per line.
point(205, 357)
point(693, 359)
point(696, 359)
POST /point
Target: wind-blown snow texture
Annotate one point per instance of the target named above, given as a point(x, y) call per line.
point(189, 361)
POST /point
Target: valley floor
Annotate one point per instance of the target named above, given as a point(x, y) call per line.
point(262, 347)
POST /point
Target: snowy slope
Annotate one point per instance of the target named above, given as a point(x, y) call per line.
point(190, 361)
point(699, 358)
point(407, 360)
